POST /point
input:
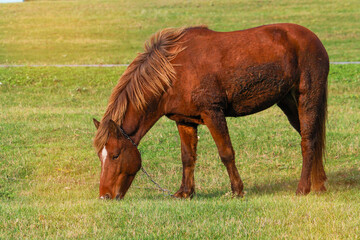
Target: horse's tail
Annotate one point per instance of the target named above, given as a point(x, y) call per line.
point(319, 72)
point(318, 176)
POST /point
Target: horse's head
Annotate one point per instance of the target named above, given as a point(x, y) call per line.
point(120, 161)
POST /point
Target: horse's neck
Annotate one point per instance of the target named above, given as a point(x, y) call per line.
point(136, 124)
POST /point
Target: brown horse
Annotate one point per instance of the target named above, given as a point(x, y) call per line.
point(199, 76)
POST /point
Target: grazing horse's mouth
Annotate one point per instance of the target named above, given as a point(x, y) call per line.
point(108, 197)
point(105, 197)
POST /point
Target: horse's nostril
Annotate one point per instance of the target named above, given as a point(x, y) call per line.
point(106, 196)
point(118, 197)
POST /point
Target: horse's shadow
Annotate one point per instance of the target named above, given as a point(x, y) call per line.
point(337, 182)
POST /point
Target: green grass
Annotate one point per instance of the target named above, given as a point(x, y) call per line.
point(49, 32)
point(49, 171)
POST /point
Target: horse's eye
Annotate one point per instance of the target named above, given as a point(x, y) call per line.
point(115, 156)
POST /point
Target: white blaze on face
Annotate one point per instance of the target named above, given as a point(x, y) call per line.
point(103, 159)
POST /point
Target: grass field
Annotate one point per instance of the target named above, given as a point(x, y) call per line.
point(49, 172)
point(54, 32)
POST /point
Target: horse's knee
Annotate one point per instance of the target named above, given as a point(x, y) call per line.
point(227, 155)
point(188, 164)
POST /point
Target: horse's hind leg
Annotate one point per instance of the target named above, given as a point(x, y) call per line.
point(312, 116)
point(216, 122)
point(188, 136)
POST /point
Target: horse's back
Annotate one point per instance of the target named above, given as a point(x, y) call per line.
point(216, 51)
point(244, 71)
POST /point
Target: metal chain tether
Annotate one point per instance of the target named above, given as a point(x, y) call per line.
point(164, 190)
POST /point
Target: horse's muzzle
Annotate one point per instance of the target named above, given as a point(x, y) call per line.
point(106, 196)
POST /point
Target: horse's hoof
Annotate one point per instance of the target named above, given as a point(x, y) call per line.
point(320, 188)
point(183, 194)
point(238, 194)
point(302, 191)
point(237, 190)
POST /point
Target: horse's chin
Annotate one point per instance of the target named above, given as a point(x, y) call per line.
point(124, 185)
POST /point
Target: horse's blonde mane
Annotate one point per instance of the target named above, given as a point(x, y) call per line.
point(150, 74)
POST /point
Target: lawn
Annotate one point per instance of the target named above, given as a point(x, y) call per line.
point(49, 171)
point(89, 32)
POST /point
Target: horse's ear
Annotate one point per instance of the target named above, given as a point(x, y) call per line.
point(96, 123)
point(114, 129)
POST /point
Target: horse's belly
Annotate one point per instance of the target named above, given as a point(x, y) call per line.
point(247, 106)
point(255, 91)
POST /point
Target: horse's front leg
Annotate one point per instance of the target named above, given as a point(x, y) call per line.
point(216, 122)
point(189, 139)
